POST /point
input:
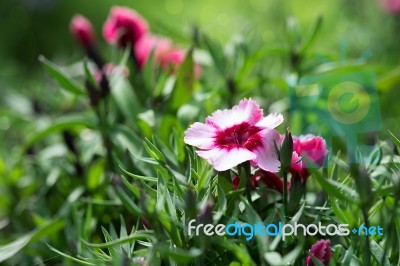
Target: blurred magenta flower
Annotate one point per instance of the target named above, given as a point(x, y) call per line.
point(82, 30)
point(321, 250)
point(160, 47)
point(391, 6)
point(164, 53)
point(270, 179)
point(175, 56)
point(124, 27)
point(232, 136)
point(314, 147)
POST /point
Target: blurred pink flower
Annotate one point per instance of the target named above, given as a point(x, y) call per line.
point(82, 30)
point(160, 47)
point(124, 27)
point(321, 250)
point(391, 6)
point(164, 53)
point(313, 147)
point(175, 56)
point(232, 136)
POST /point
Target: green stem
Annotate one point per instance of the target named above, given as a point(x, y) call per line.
point(367, 247)
point(101, 111)
point(245, 175)
point(285, 195)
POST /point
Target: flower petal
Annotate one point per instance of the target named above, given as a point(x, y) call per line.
point(222, 159)
point(271, 121)
point(200, 135)
point(267, 156)
point(247, 111)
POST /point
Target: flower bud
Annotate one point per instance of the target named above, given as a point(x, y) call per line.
point(124, 27)
point(82, 30)
point(321, 250)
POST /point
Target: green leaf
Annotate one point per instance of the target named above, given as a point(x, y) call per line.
point(394, 139)
point(137, 235)
point(153, 151)
point(221, 204)
point(177, 254)
point(316, 261)
point(377, 253)
point(313, 34)
point(274, 258)
point(217, 55)
point(332, 187)
point(65, 82)
point(389, 81)
point(125, 99)
point(95, 175)
point(79, 261)
point(88, 74)
point(286, 151)
point(60, 124)
point(139, 177)
point(184, 85)
point(9, 250)
point(128, 203)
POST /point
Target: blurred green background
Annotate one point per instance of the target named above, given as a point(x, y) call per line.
point(33, 27)
point(353, 32)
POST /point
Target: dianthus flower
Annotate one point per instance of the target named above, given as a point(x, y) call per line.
point(232, 136)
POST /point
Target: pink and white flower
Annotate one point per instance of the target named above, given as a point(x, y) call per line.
point(232, 136)
point(124, 27)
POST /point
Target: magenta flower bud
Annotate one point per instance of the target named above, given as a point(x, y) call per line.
point(82, 30)
point(124, 27)
point(313, 147)
point(321, 250)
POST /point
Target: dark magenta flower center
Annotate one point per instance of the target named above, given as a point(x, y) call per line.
point(242, 135)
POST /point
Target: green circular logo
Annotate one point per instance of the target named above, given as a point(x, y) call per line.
point(348, 103)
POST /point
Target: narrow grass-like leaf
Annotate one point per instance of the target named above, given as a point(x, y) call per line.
point(178, 254)
point(65, 82)
point(60, 124)
point(138, 235)
point(394, 139)
point(69, 257)
point(9, 250)
point(139, 177)
point(377, 253)
point(128, 203)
